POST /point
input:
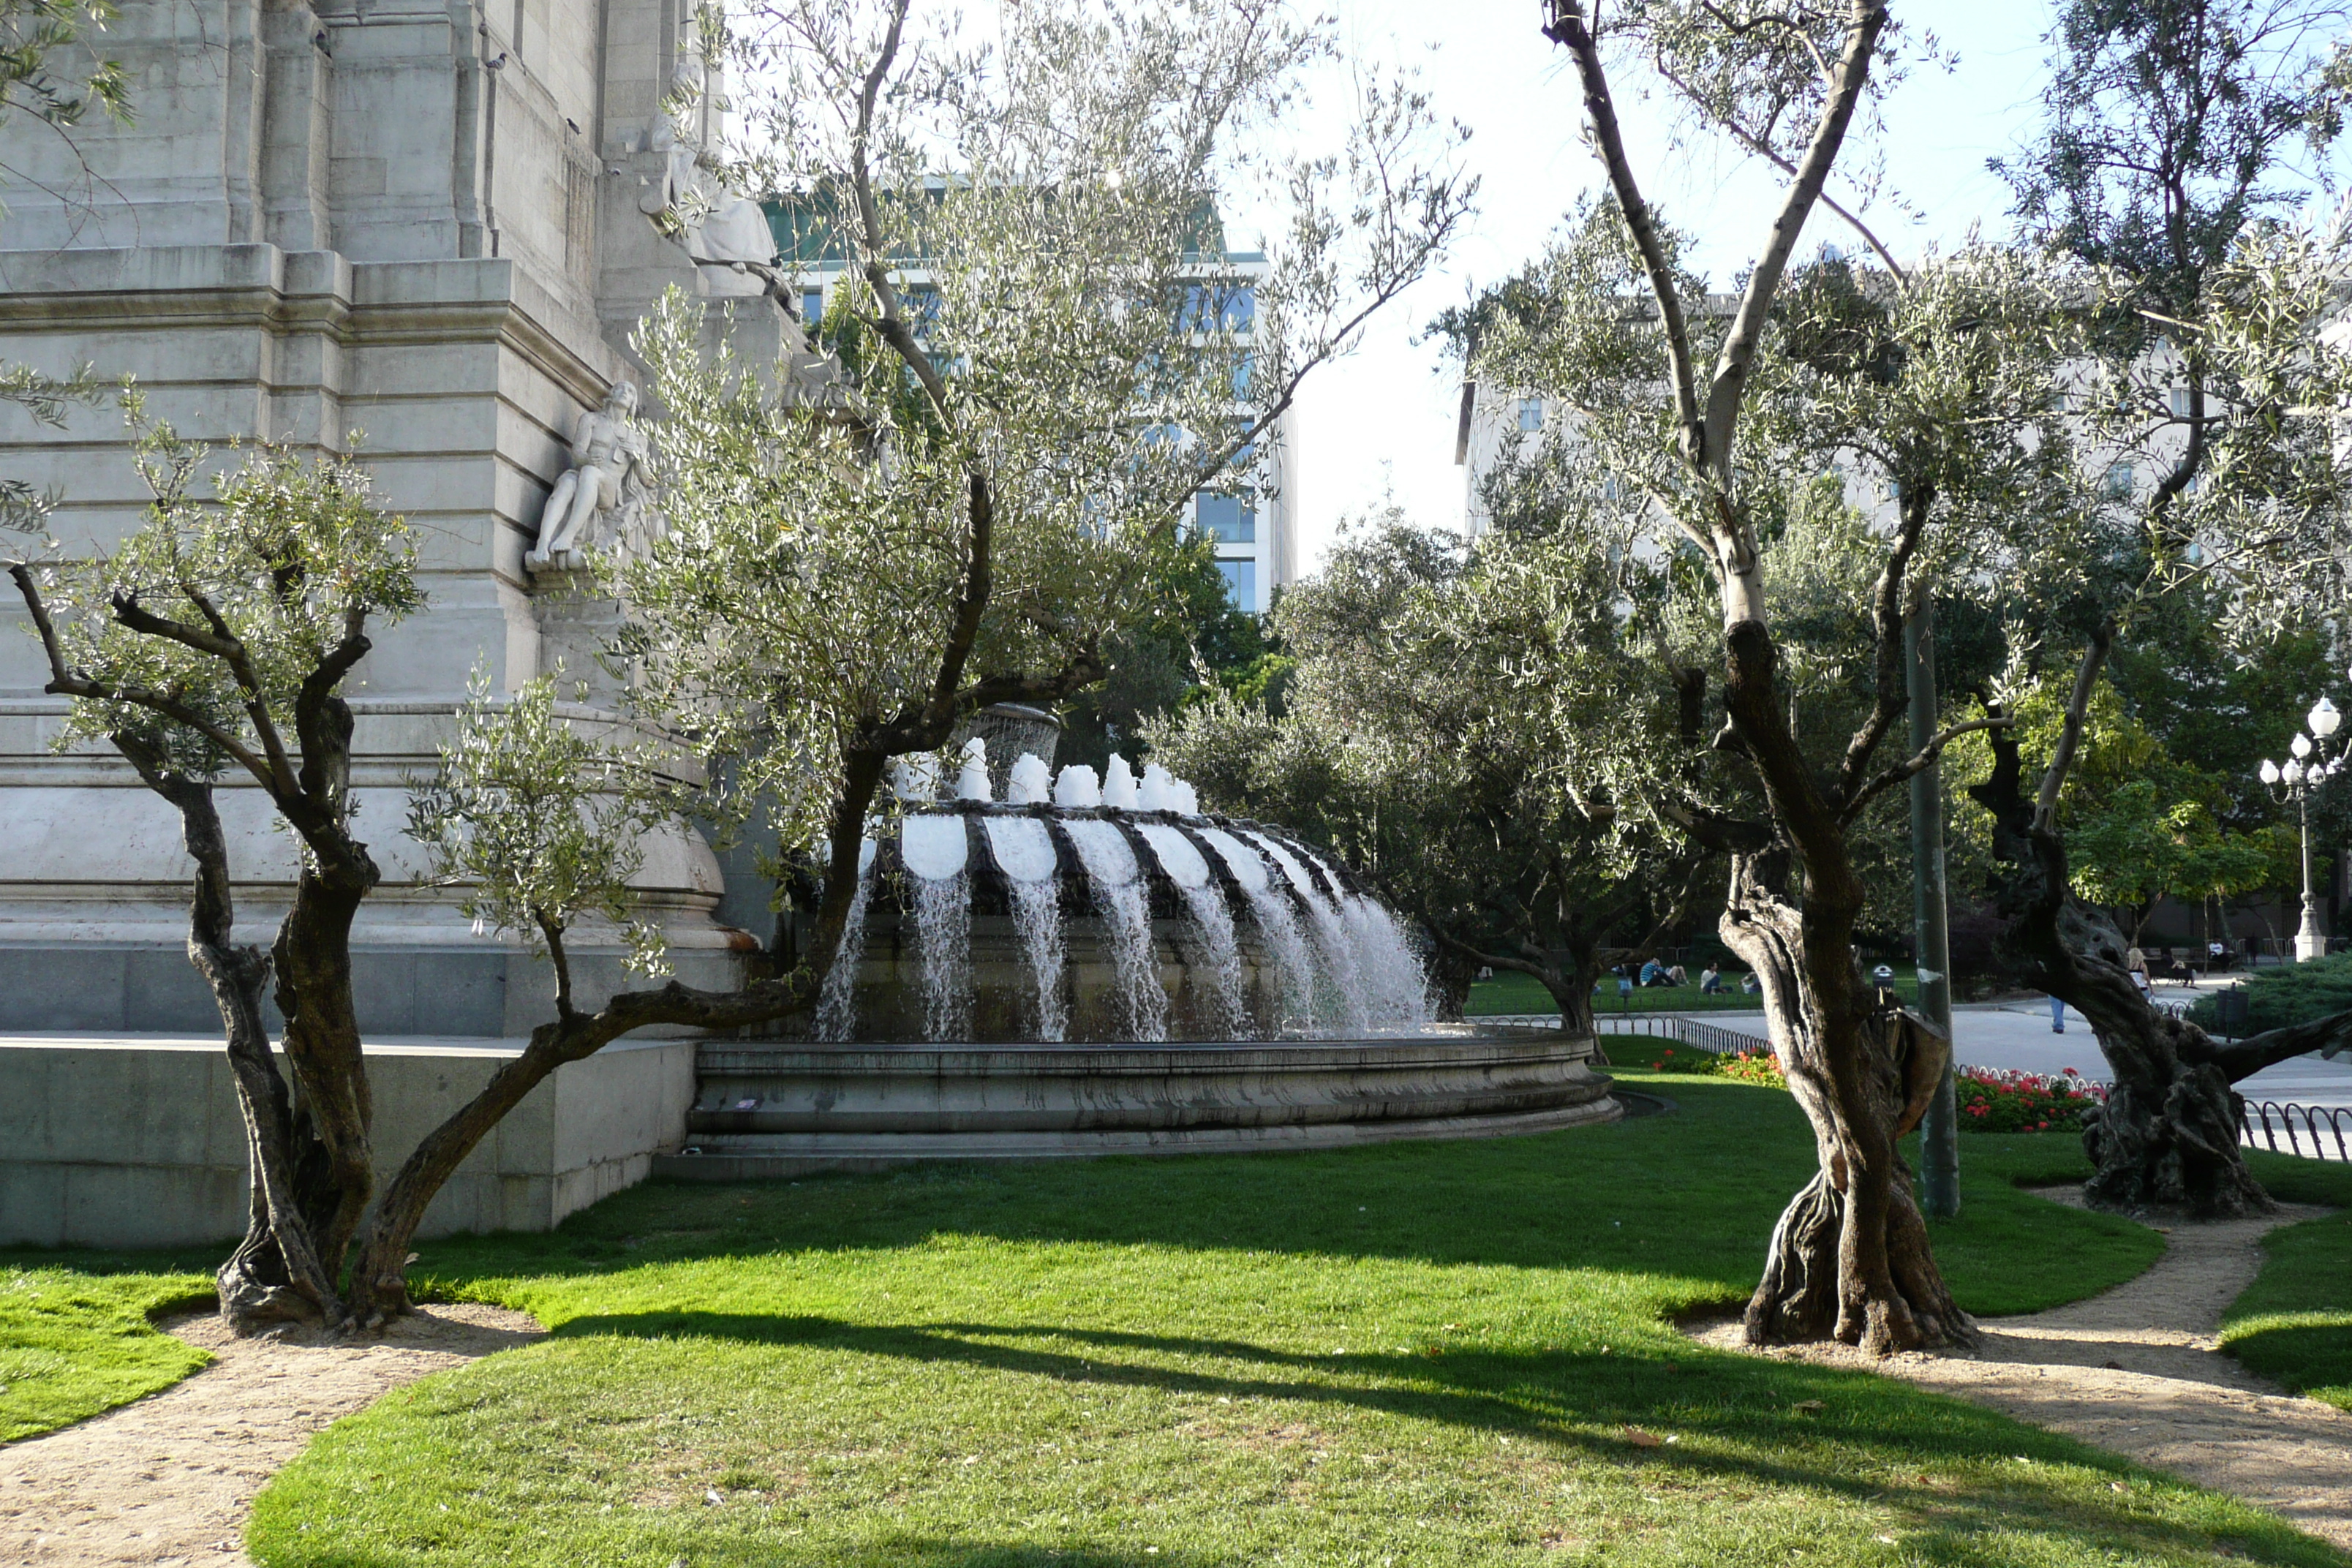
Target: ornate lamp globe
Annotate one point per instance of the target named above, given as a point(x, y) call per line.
point(2301, 746)
point(2270, 772)
point(2291, 772)
point(2323, 718)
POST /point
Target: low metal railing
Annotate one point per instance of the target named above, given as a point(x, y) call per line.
point(1682, 1031)
point(2326, 1132)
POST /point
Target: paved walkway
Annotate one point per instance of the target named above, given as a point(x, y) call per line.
point(2017, 1035)
point(167, 1481)
point(2135, 1372)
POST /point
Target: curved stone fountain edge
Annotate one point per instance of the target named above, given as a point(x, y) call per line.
point(782, 1109)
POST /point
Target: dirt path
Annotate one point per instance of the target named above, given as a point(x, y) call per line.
point(166, 1482)
point(2135, 1372)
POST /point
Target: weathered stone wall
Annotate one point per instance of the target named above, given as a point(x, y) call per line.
point(140, 1144)
point(374, 227)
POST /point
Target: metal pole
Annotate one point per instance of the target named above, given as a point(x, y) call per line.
point(1940, 1144)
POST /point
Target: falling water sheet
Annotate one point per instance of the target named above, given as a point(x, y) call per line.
point(1118, 886)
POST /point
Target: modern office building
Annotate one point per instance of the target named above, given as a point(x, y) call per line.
point(1253, 526)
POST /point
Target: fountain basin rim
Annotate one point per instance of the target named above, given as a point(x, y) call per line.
point(780, 1155)
point(1100, 1056)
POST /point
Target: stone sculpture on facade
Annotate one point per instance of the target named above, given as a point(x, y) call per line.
point(604, 499)
point(724, 231)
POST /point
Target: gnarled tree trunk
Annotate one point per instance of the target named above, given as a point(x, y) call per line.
point(2168, 1136)
point(379, 1287)
point(1849, 1259)
point(275, 1275)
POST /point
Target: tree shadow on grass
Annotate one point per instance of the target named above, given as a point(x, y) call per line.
point(1655, 1194)
point(892, 1550)
point(1733, 1418)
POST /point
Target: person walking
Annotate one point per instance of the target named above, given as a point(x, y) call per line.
point(2057, 1016)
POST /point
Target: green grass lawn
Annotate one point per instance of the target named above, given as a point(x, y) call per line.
point(1510, 993)
point(1419, 1353)
point(76, 1339)
point(2294, 1324)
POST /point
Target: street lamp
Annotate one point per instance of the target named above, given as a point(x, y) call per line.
point(2303, 771)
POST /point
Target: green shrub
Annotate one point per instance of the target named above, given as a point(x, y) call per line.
point(2290, 993)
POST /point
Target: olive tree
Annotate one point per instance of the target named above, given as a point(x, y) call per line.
point(214, 641)
point(1932, 395)
point(1040, 331)
point(2213, 391)
point(218, 638)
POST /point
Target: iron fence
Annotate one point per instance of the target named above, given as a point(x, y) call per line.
point(1689, 1032)
point(2326, 1132)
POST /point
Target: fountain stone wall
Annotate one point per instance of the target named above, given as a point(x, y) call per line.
point(1113, 972)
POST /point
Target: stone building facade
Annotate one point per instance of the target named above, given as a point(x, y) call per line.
point(418, 232)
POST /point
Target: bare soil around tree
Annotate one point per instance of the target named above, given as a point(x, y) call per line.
point(2138, 1372)
point(167, 1482)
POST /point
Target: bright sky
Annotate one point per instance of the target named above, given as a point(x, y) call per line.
point(1384, 420)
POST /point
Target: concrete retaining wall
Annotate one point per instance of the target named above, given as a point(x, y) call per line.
point(138, 1141)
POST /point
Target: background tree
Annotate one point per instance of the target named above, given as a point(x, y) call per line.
point(1195, 646)
point(1407, 743)
point(1070, 372)
point(52, 76)
point(2164, 160)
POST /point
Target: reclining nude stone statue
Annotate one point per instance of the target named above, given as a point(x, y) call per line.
point(604, 499)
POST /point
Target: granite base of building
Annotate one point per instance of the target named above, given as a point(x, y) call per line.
point(767, 1110)
point(486, 991)
point(138, 1143)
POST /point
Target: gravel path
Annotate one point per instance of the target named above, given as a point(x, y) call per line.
point(166, 1482)
point(2135, 1372)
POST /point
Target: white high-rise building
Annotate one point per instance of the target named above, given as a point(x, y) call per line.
point(1255, 526)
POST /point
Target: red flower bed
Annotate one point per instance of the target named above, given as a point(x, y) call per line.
point(1994, 1099)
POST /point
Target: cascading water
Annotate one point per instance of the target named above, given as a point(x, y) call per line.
point(1396, 983)
point(1270, 937)
point(1112, 874)
point(943, 938)
point(1353, 1005)
point(1212, 921)
point(837, 1006)
point(933, 851)
point(1281, 933)
point(1025, 851)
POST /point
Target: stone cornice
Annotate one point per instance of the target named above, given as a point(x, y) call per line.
point(260, 288)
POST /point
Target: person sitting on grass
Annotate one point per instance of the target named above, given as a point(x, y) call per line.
point(1750, 985)
point(1653, 972)
point(1678, 976)
point(1710, 980)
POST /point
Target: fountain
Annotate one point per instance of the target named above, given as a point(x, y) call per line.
point(1094, 966)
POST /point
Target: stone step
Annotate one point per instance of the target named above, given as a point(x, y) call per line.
point(753, 1156)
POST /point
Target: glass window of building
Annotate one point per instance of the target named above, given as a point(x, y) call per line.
point(1240, 584)
point(1227, 307)
point(1531, 413)
point(2180, 403)
point(2121, 481)
point(812, 305)
point(1229, 518)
